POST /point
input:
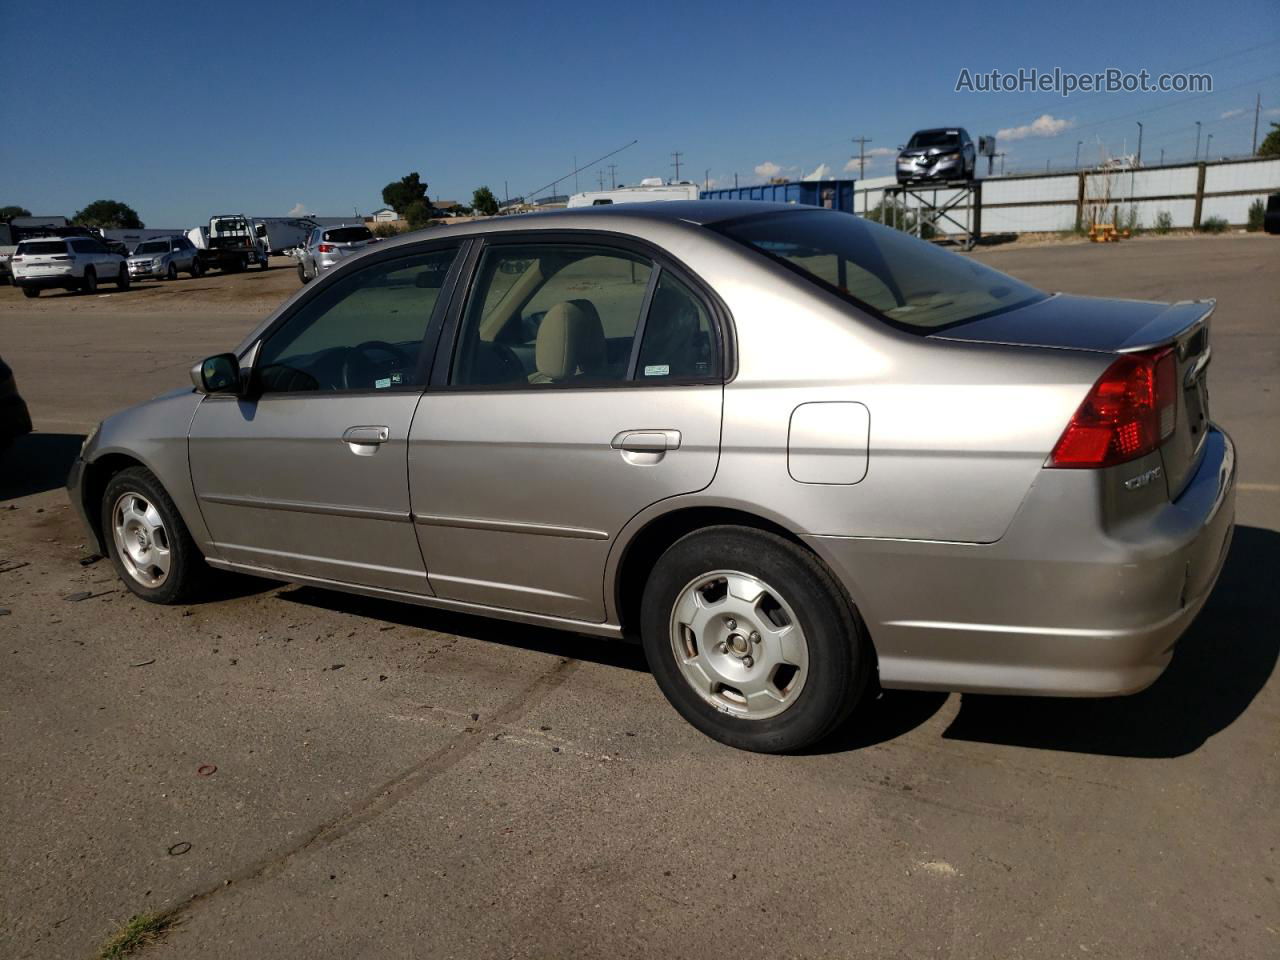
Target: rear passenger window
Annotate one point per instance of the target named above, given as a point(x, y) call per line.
point(544, 314)
point(678, 342)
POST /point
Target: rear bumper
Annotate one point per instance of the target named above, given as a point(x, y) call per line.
point(1059, 606)
point(57, 281)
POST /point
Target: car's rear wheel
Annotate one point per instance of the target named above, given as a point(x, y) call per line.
point(149, 545)
point(302, 274)
point(90, 282)
point(172, 272)
point(196, 269)
point(31, 292)
point(752, 640)
point(263, 264)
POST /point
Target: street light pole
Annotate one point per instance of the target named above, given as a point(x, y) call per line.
point(1079, 144)
point(1138, 159)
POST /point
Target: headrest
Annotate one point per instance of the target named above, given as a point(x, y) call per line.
point(570, 340)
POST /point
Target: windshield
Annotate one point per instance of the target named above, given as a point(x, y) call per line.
point(29, 247)
point(935, 138)
point(909, 282)
point(348, 235)
point(153, 246)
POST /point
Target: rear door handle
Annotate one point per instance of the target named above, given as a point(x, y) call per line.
point(363, 441)
point(647, 441)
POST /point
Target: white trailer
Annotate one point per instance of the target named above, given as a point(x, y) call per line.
point(651, 189)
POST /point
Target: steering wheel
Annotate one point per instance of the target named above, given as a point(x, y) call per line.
point(360, 368)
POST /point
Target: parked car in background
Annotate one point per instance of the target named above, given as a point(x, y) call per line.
point(946, 153)
point(1271, 219)
point(329, 246)
point(230, 244)
point(69, 263)
point(792, 450)
point(165, 258)
point(15, 419)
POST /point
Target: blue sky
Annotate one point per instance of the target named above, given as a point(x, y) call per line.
point(267, 108)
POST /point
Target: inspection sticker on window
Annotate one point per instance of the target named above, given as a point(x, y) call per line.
point(657, 370)
point(382, 384)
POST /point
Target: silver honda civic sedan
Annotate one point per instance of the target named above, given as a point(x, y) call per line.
point(796, 453)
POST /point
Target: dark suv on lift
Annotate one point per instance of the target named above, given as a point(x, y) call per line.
point(946, 153)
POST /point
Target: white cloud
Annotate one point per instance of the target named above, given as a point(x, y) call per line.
point(1272, 112)
point(768, 169)
point(821, 172)
point(1044, 125)
point(1227, 115)
point(873, 155)
point(299, 209)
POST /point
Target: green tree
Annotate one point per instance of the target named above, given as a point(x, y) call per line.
point(1270, 146)
point(418, 214)
point(484, 202)
point(109, 215)
point(401, 194)
point(9, 212)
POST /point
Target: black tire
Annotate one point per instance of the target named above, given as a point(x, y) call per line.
point(172, 272)
point(90, 283)
point(839, 654)
point(196, 268)
point(263, 264)
point(187, 569)
point(31, 292)
point(122, 278)
point(302, 275)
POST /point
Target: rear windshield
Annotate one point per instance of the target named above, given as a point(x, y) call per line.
point(348, 235)
point(910, 283)
point(29, 247)
point(153, 246)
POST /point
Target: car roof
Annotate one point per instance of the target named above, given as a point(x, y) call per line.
point(621, 216)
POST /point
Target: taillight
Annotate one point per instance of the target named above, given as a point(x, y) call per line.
point(327, 248)
point(1128, 413)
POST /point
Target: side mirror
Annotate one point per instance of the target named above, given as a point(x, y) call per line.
point(217, 374)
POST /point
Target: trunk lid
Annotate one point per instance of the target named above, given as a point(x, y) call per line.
point(1121, 326)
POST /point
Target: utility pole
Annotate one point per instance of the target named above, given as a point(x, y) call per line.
point(613, 176)
point(506, 193)
point(1138, 160)
point(575, 173)
point(676, 154)
point(706, 179)
point(1208, 146)
point(1162, 156)
point(1257, 109)
point(1001, 164)
point(1079, 144)
point(600, 173)
point(862, 156)
point(735, 179)
point(1197, 141)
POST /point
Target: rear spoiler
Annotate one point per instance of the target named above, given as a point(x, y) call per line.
point(1169, 324)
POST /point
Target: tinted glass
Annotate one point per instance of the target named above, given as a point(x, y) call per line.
point(348, 235)
point(678, 341)
point(936, 138)
point(153, 246)
point(363, 332)
point(30, 247)
point(909, 282)
point(546, 314)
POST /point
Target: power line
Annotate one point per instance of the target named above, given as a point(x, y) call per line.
point(533, 193)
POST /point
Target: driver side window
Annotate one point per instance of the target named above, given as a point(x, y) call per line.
point(361, 332)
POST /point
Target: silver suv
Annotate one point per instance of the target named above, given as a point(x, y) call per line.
point(67, 263)
point(164, 258)
point(794, 452)
point(326, 247)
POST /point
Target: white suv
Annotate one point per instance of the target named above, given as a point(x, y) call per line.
point(71, 263)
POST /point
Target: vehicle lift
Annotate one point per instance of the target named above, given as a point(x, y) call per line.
point(965, 194)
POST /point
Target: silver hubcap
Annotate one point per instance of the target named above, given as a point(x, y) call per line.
point(141, 539)
point(739, 644)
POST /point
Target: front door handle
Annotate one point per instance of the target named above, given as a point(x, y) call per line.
point(647, 441)
point(364, 441)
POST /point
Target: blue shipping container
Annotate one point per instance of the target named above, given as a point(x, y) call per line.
point(832, 194)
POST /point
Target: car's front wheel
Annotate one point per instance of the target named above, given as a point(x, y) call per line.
point(172, 272)
point(196, 268)
point(31, 292)
point(148, 542)
point(122, 278)
point(302, 274)
point(752, 640)
point(90, 283)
